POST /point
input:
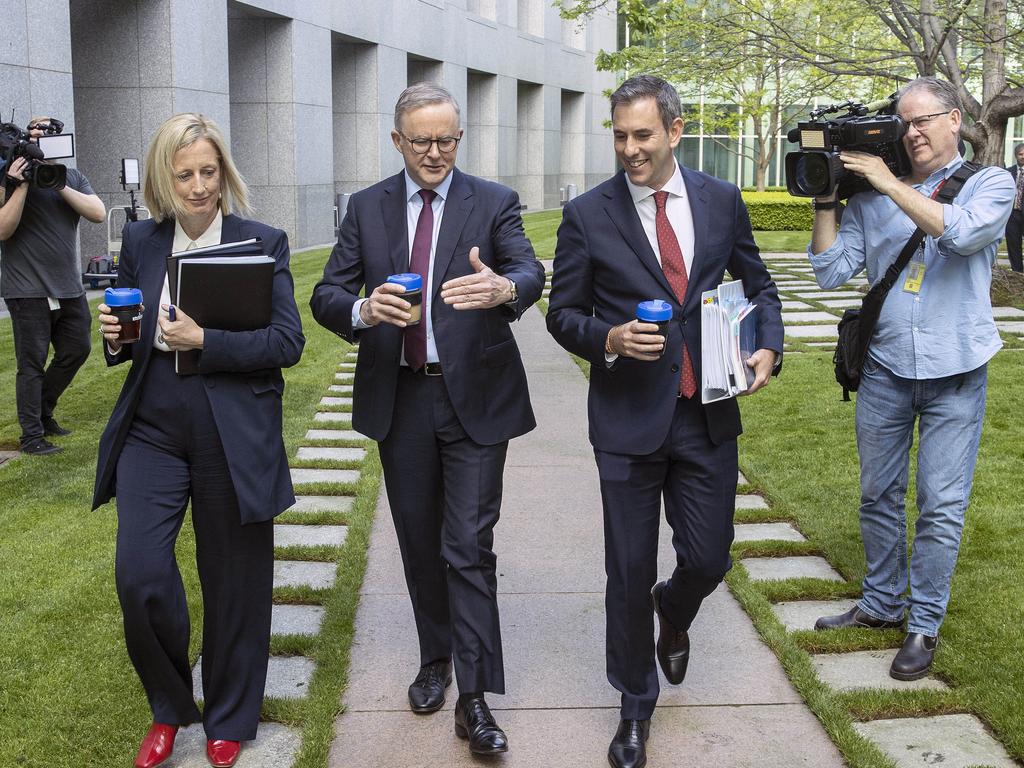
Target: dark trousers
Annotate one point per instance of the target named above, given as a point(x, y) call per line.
point(36, 386)
point(698, 482)
point(173, 452)
point(445, 496)
point(1014, 232)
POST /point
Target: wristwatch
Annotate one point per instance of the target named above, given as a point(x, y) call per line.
point(514, 291)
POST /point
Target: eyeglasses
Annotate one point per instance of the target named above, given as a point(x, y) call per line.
point(421, 146)
point(923, 121)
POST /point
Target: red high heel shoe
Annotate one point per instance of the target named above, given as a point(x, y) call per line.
point(156, 746)
point(222, 753)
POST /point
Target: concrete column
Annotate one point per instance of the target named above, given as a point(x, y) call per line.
point(480, 153)
point(552, 124)
point(509, 160)
point(573, 149)
point(531, 144)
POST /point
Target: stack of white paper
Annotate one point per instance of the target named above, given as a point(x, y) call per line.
point(727, 336)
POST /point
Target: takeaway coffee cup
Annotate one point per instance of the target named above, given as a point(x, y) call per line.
point(126, 305)
point(658, 312)
point(413, 285)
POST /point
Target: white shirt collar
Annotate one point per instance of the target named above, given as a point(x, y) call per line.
point(674, 186)
point(210, 237)
point(412, 189)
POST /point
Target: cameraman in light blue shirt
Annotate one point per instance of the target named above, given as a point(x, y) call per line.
point(927, 361)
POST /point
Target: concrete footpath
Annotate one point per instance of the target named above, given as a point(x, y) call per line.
point(736, 707)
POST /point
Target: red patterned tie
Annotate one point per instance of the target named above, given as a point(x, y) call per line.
point(675, 270)
point(419, 262)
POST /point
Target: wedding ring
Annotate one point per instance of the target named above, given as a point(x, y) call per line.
point(161, 339)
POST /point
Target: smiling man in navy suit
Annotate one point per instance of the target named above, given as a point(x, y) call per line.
point(442, 397)
point(656, 231)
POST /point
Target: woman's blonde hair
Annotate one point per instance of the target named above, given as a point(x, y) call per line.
point(176, 133)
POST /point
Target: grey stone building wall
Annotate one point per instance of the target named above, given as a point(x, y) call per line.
point(305, 91)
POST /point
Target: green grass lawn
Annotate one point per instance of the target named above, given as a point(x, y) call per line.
point(68, 694)
point(798, 451)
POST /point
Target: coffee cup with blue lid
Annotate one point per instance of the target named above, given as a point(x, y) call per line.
point(413, 284)
point(657, 312)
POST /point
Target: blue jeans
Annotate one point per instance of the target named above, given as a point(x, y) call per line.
point(949, 412)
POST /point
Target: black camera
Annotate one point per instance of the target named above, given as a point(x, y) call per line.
point(817, 171)
point(15, 143)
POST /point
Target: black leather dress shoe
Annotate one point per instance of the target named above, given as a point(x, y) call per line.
point(673, 648)
point(473, 721)
point(52, 429)
point(855, 617)
point(426, 694)
point(629, 747)
point(914, 659)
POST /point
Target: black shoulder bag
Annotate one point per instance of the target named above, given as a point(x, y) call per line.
point(858, 325)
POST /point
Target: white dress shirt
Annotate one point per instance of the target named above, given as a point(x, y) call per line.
point(677, 208)
point(413, 206)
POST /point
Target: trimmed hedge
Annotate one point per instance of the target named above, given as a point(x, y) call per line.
point(779, 211)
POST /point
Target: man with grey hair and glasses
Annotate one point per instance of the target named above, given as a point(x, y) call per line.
point(440, 385)
point(927, 360)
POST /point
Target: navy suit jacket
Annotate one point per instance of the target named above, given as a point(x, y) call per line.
point(483, 371)
point(604, 266)
point(241, 370)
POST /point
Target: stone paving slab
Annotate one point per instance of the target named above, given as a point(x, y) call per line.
point(841, 303)
point(334, 434)
point(740, 479)
point(324, 475)
point(330, 400)
point(310, 535)
point(275, 746)
point(296, 619)
point(344, 378)
point(866, 669)
point(767, 532)
point(750, 501)
point(334, 454)
point(835, 294)
point(322, 504)
point(797, 615)
point(829, 344)
point(341, 389)
point(333, 417)
point(807, 317)
point(789, 305)
point(8, 455)
point(1009, 327)
point(782, 736)
point(347, 367)
point(287, 678)
point(949, 741)
point(300, 573)
point(813, 331)
point(812, 567)
point(1001, 312)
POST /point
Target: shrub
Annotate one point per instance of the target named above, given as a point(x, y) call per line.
point(779, 211)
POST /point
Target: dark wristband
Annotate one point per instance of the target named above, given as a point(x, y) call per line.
point(825, 205)
point(12, 183)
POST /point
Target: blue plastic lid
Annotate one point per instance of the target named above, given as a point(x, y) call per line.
point(408, 280)
point(122, 297)
point(654, 311)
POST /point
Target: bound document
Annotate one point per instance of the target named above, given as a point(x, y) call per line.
point(728, 337)
point(227, 293)
point(251, 247)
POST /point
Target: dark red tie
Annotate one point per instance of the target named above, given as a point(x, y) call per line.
point(419, 262)
point(675, 270)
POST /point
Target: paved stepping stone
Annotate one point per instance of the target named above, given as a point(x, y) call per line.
point(807, 317)
point(310, 535)
point(811, 567)
point(789, 306)
point(822, 295)
point(287, 678)
point(750, 501)
point(300, 573)
point(345, 378)
point(1014, 328)
point(767, 532)
point(296, 619)
point(341, 389)
point(813, 331)
point(347, 367)
point(796, 615)
point(332, 416)
point(999, 312)
point(8, 455)
point(866, 669)
point(351, 356)
point(334, 454)
point(830, 344)
point(324, 475)
point(740, 479)
point(275, 746)
point(841, 303)
point(335, 400)
point(950, 741)
point(333, 434)
point(322, 504)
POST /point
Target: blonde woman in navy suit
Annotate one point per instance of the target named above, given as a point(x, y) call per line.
point(212, 439)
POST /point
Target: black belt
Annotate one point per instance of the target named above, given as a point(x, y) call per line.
point(428, 369)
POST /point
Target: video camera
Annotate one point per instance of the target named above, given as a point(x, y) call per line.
point(817, 171)
point(15, 143)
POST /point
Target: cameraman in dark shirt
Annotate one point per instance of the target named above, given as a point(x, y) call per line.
point(41, 282)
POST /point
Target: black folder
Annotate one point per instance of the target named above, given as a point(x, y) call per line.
point(228, 293)
point(251, 247)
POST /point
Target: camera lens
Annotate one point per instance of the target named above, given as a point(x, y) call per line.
point(50, 176)
point(814, 173)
